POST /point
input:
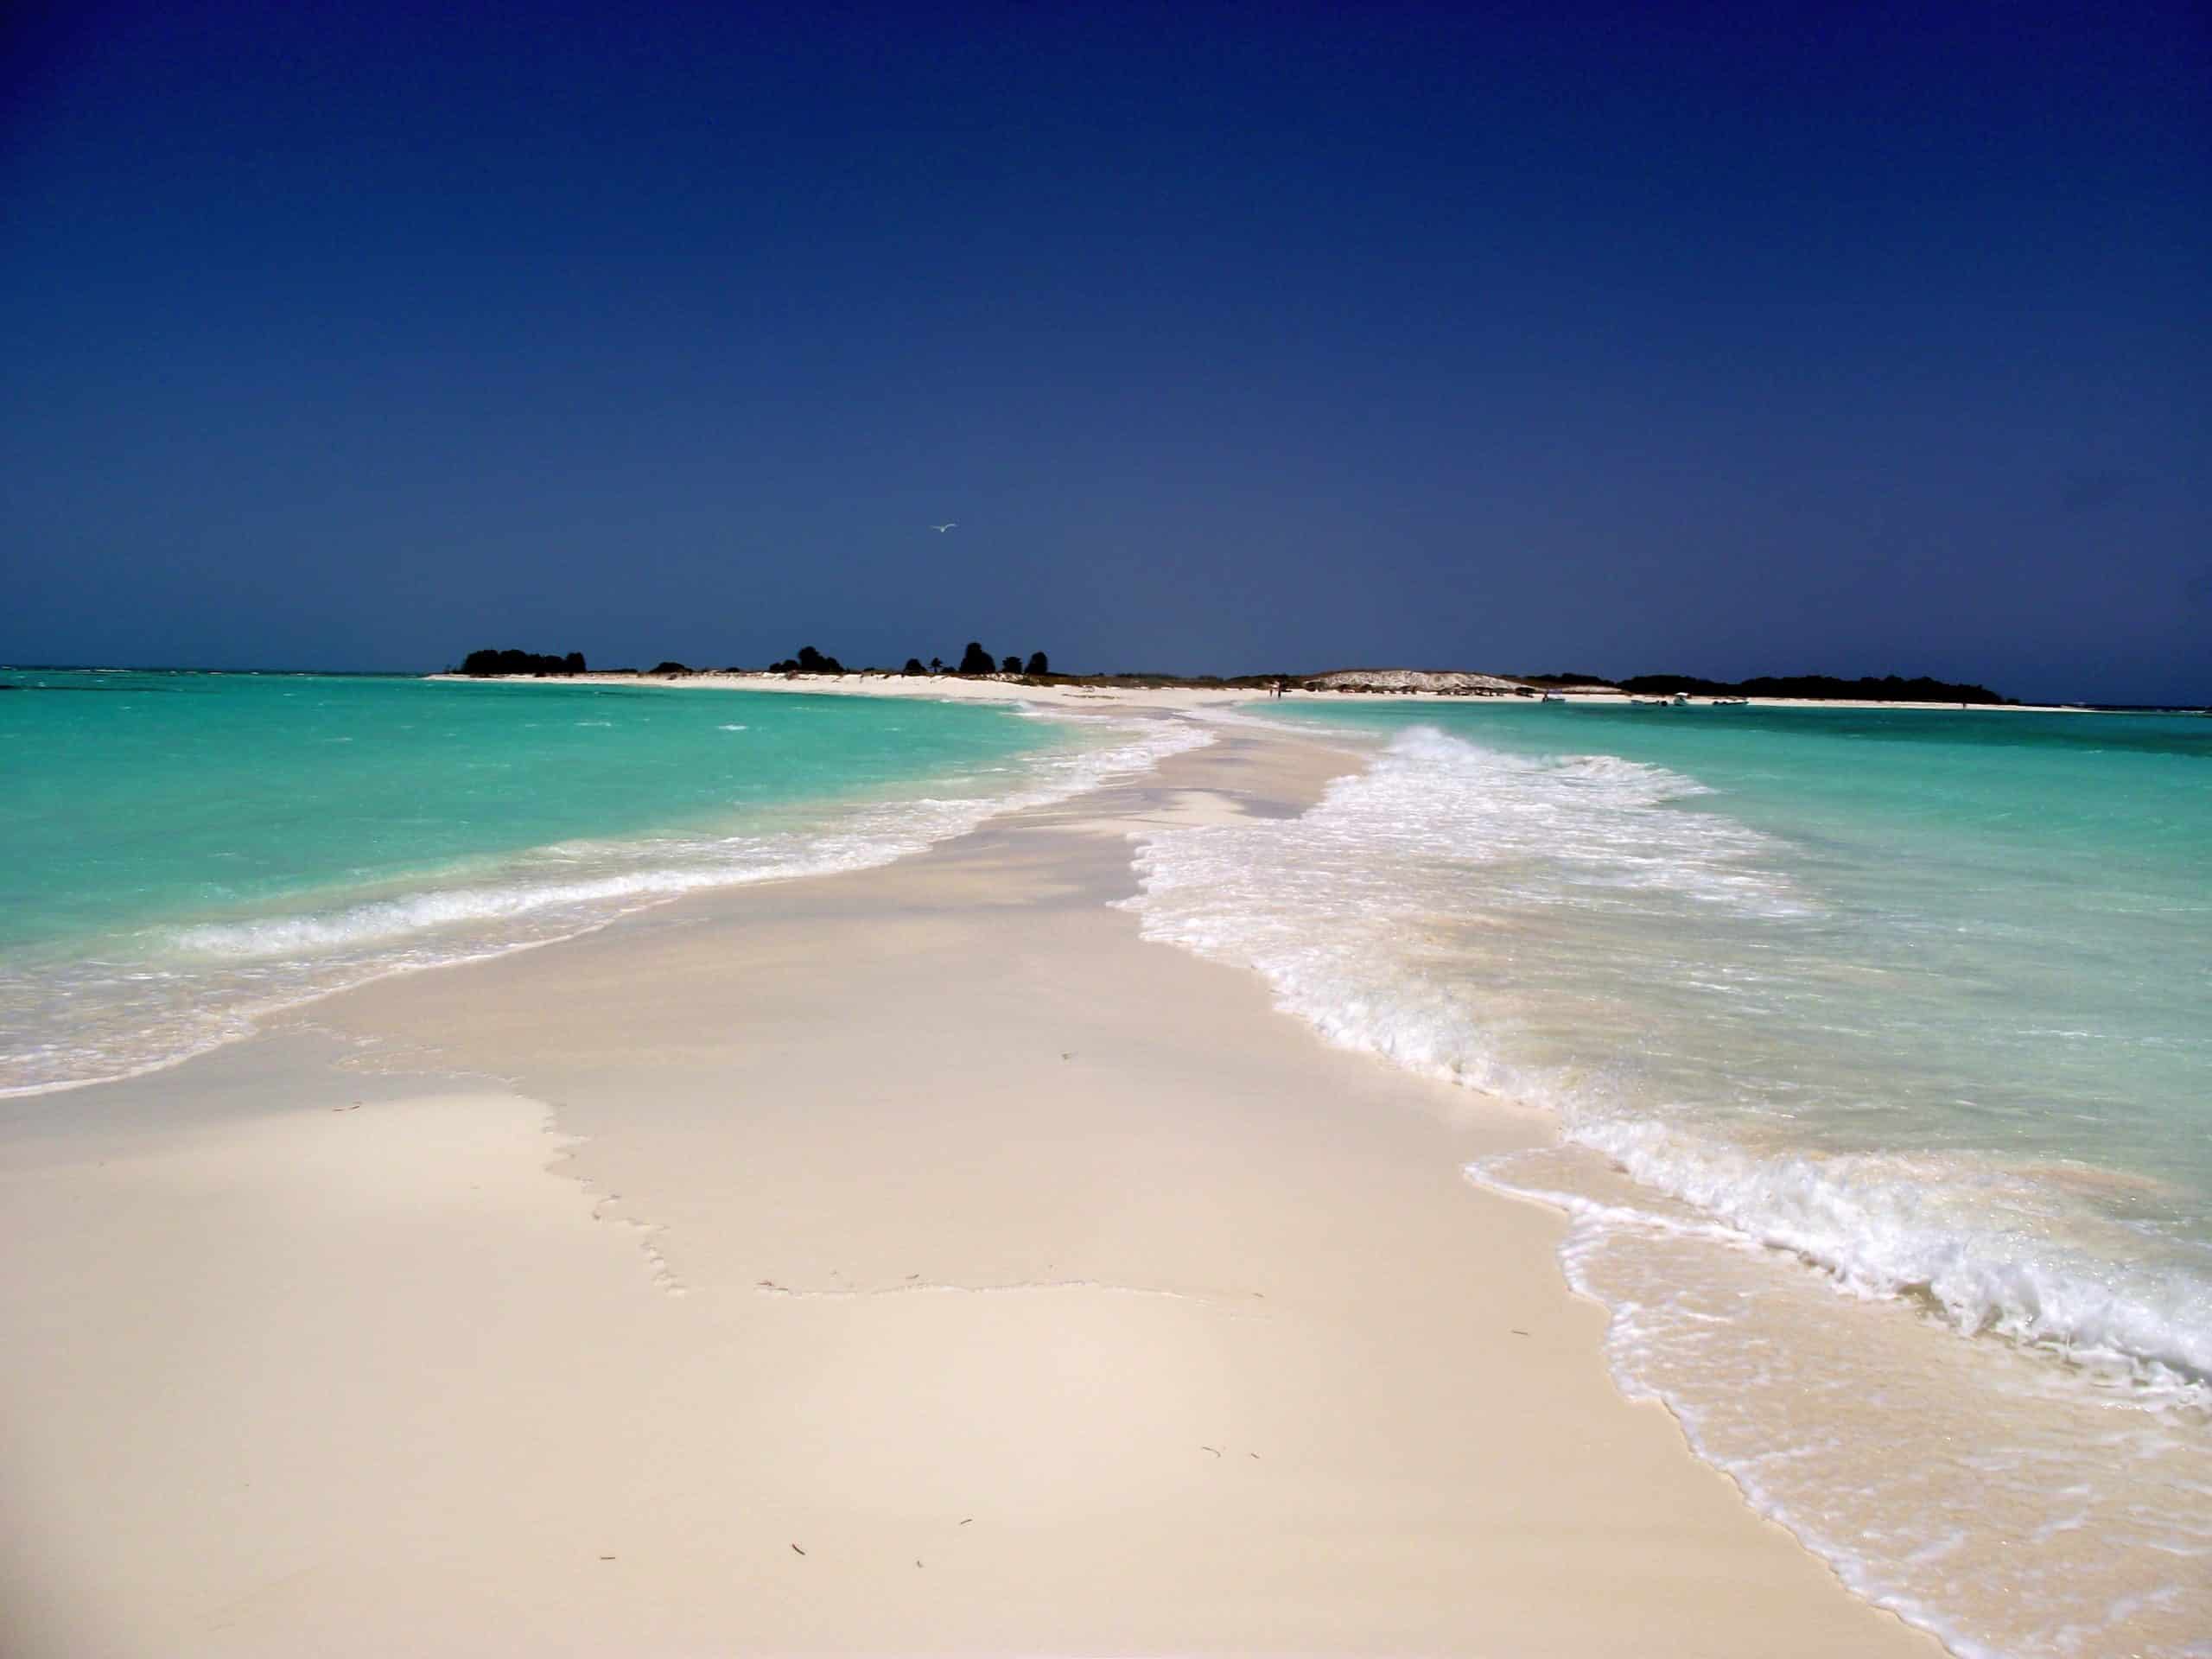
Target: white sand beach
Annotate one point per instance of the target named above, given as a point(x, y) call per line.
point(1072, 694)
point(906, 1261)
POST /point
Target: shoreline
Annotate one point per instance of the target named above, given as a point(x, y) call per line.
point(1048, 1288)
point(837, 830)
point(953, 687)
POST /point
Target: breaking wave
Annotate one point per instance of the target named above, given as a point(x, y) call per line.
point(1703, 1016)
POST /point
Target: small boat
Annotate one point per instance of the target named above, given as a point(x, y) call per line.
point(1648, 703)
point(1680, 700)
point(1553, 697)
point(1731, 702)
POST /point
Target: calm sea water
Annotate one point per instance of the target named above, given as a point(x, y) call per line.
point(180, 853)
point(1881, 1044)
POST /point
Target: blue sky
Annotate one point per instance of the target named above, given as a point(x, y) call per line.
point(1717, 340)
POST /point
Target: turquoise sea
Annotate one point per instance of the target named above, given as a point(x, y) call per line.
point(1880, 1045)
point(180, 852)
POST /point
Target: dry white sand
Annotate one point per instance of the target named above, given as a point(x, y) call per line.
point(911, 1260)
point(952, 688)
point(944, 687)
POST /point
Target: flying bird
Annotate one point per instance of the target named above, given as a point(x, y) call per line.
point(940, 528)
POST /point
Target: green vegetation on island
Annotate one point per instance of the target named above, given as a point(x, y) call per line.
point(975, 661)
point(482, 664)
point(809, 661)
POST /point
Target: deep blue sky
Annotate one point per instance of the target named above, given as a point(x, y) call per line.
point(1723, 340)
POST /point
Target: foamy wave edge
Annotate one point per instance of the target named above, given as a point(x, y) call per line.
point(873, 837)
point(1850, 1217)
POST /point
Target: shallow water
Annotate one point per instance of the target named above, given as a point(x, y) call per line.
point(1879, 1045)
point(183, 853)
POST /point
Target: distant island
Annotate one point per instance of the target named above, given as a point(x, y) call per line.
point(483, 664)
point(1814, 687)
point(978, 662)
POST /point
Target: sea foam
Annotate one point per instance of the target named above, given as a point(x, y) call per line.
point(1702, 1013)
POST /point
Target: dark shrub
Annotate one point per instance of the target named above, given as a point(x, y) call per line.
point(1889, 688)
point(976, 660)
point(483, 662)
point(914, 665)
point(1038, 664)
